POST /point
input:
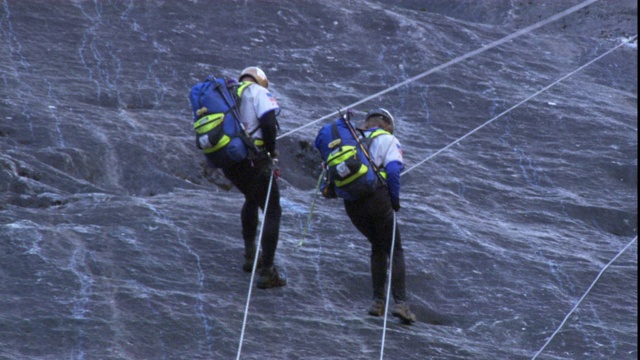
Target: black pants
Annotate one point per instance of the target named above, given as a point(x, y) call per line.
point(252, 177)
point(373, 217)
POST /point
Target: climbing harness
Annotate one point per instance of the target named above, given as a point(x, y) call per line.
point(255, 263)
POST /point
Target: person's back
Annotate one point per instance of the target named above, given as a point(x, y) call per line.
point(254, 177)
point(373, 214)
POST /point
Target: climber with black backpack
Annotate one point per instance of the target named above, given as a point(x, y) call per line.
point(236, 126)
point(363, 167)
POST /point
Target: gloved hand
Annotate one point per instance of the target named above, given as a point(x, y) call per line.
point(395, 204)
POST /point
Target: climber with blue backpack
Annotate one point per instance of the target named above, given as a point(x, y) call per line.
point(363, 167)
point(236, 125)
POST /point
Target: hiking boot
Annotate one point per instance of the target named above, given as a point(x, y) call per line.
point(248, 262)
point(269, 278)
point(377, 307)
point(401, 310)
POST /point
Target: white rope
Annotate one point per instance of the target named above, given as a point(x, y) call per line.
point(390, 272)
point(255, 263)
point(520, 103)
point(438, 68)
point(583, 296)
point(451, 62)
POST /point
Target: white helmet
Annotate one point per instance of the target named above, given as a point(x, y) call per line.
point(384, 114)
point(256, 74)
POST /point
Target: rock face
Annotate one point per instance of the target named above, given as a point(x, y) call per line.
point(520, 185)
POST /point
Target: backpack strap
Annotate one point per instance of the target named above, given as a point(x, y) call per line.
point(369, 139)
point(234, 109)
point(237, 94)
point(378, 133)
point(365, 151)
point(335, 134)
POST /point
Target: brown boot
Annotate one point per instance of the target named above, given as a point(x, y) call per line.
point(401, 310)
point(377, 307)
point(269, 278)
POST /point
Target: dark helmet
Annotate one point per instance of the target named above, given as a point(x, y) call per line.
point(384, 114)
point(257, 74)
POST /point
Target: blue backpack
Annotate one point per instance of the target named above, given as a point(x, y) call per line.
point(349, 172)
point(219, 132)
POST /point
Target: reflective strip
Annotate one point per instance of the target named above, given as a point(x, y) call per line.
point(222, 143)
point(259, 142)
point(377, 133)
point(208, 122)
point(334, 143)
point(341, 156)
point(242, 87)
point(363, 170)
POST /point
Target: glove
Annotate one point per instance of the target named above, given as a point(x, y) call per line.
point(395, 204)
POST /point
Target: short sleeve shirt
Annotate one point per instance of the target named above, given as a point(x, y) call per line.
point(256, 101)
point(384, 149)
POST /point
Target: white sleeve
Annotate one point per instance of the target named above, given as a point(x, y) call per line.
point(264, 101)
point(394, 150)
point(385, 149)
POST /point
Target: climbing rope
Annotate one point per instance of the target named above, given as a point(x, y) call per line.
point(462, 138)
point(413, 79)
point(255, 263)
point(313, 204)
point(449, 63)
point(520, 103)
point(583, 296)
point(386, 304)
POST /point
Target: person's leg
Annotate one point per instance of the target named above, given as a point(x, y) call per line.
point(266, 184)
point(364, 215)
point(271, 231)
point(249, 219)
point(241, 176)
point(398, 284)
point(378, 271)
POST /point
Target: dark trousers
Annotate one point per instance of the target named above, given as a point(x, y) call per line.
point(252, 177)
point(373, 217)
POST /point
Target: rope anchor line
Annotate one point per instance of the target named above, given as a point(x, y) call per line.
point(413, 79)
point(255, 263)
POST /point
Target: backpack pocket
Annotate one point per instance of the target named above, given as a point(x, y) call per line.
point(236, 150)
point(210, 133)
point(344, 166)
